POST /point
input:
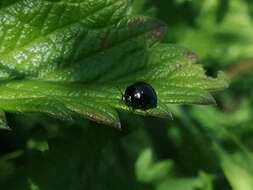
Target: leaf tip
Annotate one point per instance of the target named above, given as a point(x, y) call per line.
point(4, 126)
point(224, 79)
point(207, 100)
point(159, 31)
point(117, 126)
point(193, 57)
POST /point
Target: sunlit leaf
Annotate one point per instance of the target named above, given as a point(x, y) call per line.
point(71, 58)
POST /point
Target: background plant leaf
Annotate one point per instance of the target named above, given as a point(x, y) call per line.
point(3, 122)
point(221, 32)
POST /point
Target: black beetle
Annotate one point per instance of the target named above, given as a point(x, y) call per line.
point(140, 95)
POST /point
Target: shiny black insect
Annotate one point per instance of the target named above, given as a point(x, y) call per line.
point(140, 95)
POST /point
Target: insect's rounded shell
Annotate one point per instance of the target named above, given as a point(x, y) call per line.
point(140, 95)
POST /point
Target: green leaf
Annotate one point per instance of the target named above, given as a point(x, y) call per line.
point(49, 33)
point(32, 185)
point(69, 58)
point(207, 181)
point(222, 32)
point(3, 122)
point(213, 118)
point(180, 184)
point(149, 171)
point(237, 168)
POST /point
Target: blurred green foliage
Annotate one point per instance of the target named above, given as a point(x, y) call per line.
point(203, 148)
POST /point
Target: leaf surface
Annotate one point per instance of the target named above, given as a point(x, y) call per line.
point(71, 57)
